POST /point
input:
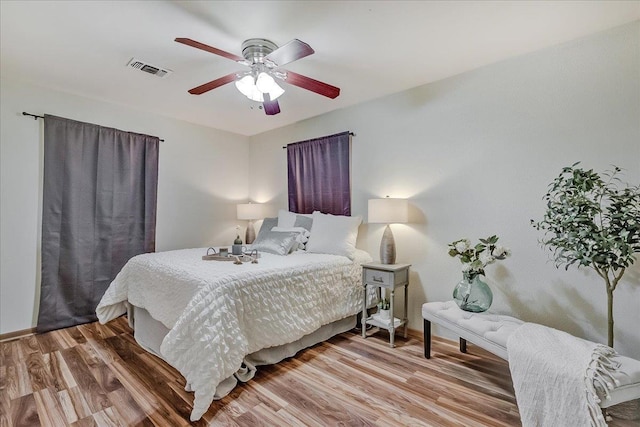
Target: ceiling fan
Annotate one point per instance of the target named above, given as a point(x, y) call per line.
point(264, 58)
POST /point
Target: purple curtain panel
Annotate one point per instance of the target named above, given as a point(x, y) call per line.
point(319, 176)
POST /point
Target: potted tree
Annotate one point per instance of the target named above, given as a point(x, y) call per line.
point(593, 220)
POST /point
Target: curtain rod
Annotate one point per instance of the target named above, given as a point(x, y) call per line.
point(36, 117)
point(285, 146)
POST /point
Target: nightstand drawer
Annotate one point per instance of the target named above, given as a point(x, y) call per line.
point(378, 278)
point(385, 279)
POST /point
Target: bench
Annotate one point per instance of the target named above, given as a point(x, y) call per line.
point(491, 332)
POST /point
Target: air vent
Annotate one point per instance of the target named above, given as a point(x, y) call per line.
point(137, 64)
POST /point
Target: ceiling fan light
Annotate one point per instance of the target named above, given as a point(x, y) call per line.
point(256, 95)
point(245, 85)
point(265, 82)
point(275, 91)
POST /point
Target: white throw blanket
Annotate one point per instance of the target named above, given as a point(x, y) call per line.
point(555, 376)
point(218, 312)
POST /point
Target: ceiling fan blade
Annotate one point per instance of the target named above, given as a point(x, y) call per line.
point(271, 108)
point(311, 84)
point(290, 52)
point(213, 84)
point(210, 49)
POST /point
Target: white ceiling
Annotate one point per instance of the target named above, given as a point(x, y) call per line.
point(367, 48)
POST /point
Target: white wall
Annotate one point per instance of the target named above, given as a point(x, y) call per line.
point(198, 185)
point(474, 154)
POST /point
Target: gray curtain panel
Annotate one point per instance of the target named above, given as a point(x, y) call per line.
point(99, 210)
point(318, 171)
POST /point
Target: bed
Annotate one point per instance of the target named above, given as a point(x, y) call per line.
point(215, 321)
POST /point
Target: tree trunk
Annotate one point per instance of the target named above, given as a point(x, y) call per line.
point(610, 315)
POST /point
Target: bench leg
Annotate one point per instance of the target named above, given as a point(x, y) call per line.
point(427, 339)
point(463, 345)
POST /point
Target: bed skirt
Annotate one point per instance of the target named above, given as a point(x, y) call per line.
point(149, 333)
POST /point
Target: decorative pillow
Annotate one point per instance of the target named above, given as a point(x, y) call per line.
point(288, 219)
point(275, 242)
point(334, 234)
point(302, 235)
point(267, 225)
point(303, 221)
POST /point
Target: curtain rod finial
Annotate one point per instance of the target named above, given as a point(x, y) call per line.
point(35, 117)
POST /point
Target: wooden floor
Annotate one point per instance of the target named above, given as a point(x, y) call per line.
point(95, 375)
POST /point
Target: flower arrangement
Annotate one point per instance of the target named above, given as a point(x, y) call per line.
point(475, 258)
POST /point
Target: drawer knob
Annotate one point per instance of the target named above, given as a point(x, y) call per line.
point(378, 279)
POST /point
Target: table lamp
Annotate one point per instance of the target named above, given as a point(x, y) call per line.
point(249, 211)
point(388, 211)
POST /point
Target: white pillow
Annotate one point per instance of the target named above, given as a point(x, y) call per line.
point(334, 234)
point(302, 235)
point(288, 219)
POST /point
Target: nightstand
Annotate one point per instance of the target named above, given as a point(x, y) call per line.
point(383, 277)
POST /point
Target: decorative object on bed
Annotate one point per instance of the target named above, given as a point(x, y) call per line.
point(472, 293)
point(318, 173)
point(302, 236)
point(304, 221)
point(216, 314)
point(289, 219)
point(334, 234)
point(212, 255)
point(268, 224)
point(251, 212)
point(388, 211)
point(593, 220)
point(276, 242)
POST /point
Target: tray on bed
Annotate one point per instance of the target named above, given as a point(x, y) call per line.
point(212, 255)
point(216, 257)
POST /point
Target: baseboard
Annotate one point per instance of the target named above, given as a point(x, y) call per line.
point(17, 334)
point(415, 333)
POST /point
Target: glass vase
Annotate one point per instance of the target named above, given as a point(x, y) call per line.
point(473, 295)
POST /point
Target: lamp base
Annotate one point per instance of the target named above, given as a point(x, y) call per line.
point(387, 247)
point(250, 235)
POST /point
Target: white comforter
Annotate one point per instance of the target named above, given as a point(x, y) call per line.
point(219, 312)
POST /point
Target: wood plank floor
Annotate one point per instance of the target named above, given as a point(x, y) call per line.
point(96, 375)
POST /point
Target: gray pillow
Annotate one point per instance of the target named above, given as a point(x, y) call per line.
point(267, 225)
point(304, 222)
point(275, 242)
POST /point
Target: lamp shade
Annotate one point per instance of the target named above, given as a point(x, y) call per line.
point(388, 211)
point(249, 211)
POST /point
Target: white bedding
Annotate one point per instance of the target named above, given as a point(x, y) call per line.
point(219, 312)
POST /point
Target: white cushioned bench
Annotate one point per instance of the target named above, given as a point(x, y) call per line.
point(491, 332)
